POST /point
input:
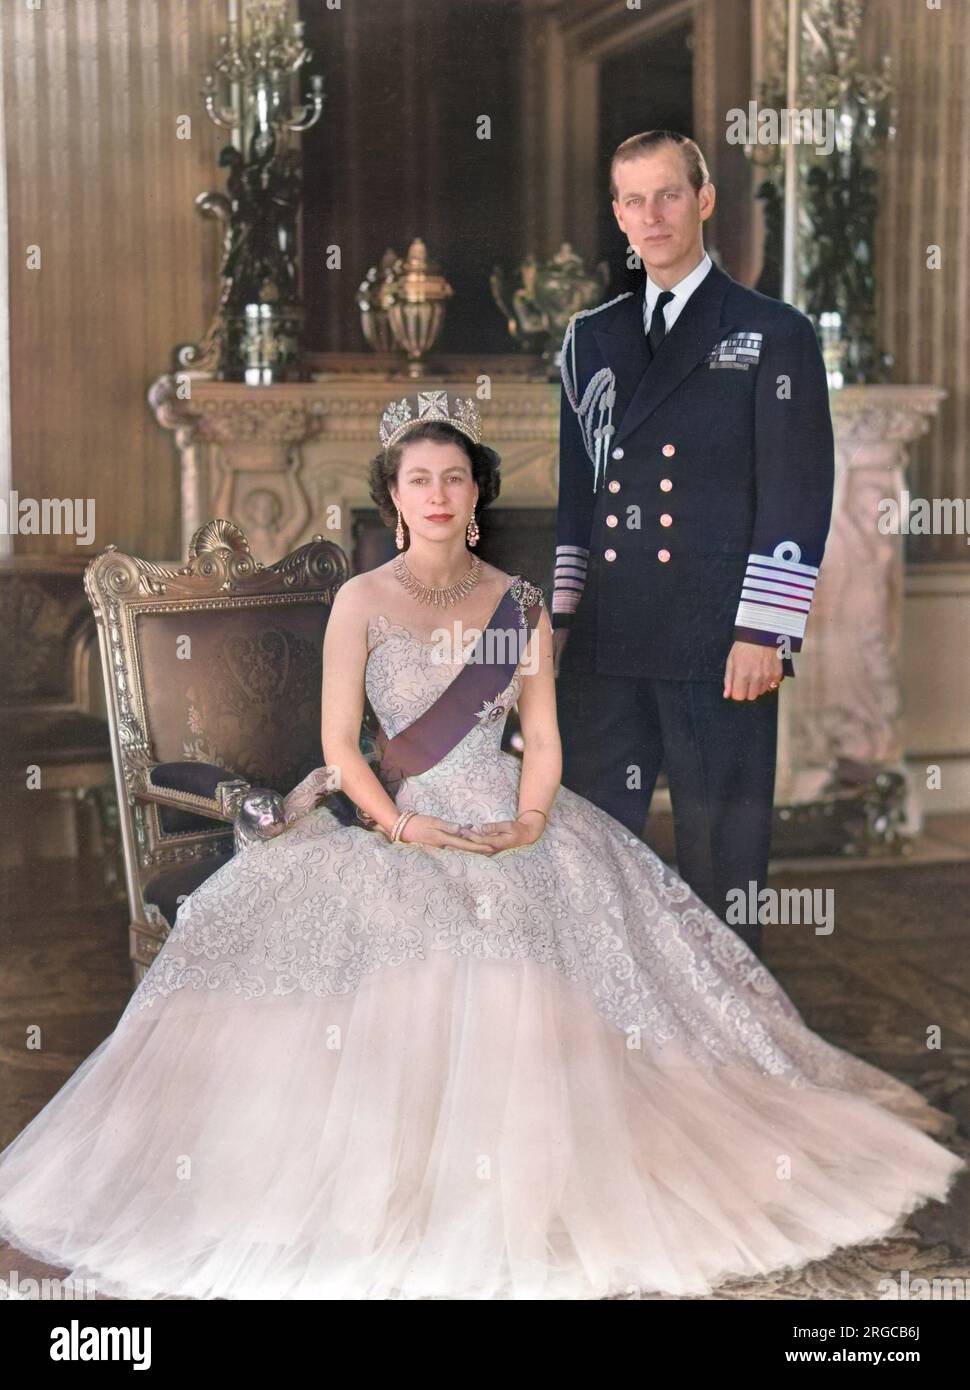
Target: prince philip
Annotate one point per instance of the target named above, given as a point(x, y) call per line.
point(695, 491)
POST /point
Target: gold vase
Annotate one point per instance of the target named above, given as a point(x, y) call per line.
point(414, 299)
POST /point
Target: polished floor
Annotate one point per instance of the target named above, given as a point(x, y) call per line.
point(896, 964)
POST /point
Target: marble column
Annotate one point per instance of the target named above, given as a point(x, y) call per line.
point(842, 712)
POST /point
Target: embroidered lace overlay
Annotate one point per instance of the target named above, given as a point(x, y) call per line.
point(322, 906)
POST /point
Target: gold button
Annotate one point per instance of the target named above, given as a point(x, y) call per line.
point(617, 453)
point(665, 484)
point(666, 519)
point(668, 451)
point(614, 486)
point(611, 520)
point(663, 556)
point(609, 554)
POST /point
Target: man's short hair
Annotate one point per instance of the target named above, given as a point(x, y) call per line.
point(647, 141)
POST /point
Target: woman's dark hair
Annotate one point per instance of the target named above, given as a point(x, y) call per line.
point(385, 467)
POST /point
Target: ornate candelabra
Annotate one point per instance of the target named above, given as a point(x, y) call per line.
point(255, 334)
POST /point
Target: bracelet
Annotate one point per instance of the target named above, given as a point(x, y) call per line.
point(532, 808)
point(400, 823)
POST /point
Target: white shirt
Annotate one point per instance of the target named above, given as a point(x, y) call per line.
point(681, 292)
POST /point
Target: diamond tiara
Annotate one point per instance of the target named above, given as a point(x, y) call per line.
point(405, 414)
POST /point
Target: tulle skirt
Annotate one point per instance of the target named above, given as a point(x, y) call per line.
point(455, 1127)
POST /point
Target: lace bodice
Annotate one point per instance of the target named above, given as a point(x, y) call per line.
point(406, 673)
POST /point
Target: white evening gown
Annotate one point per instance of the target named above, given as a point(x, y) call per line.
point(361, 1070)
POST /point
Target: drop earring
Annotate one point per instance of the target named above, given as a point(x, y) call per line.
point(471, 531)
point(399, 533)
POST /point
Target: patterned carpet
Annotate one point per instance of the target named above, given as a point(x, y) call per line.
point(897, 962)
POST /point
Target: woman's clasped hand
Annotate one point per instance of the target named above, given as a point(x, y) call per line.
point(491, 837)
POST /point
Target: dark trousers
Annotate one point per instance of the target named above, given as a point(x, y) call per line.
point(719, 757)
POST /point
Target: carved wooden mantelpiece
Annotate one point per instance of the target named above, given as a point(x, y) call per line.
point(289, 461)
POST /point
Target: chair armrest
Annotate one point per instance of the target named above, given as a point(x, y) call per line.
point(187, 786)
point(255, 813)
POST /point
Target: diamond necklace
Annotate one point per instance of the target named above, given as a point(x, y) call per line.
point(427, 593)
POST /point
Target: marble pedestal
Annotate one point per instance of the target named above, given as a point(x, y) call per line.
point(842, 714)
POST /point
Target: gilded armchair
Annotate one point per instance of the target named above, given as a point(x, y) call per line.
point(213, 680)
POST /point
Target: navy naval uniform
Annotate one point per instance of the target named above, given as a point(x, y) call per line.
point(695, 494)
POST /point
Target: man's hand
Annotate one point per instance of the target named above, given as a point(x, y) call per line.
point(752, 670)
point(560, 636)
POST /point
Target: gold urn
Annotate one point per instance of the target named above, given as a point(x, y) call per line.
point(414, 298)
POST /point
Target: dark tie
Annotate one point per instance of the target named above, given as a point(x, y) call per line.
point(658, 326)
